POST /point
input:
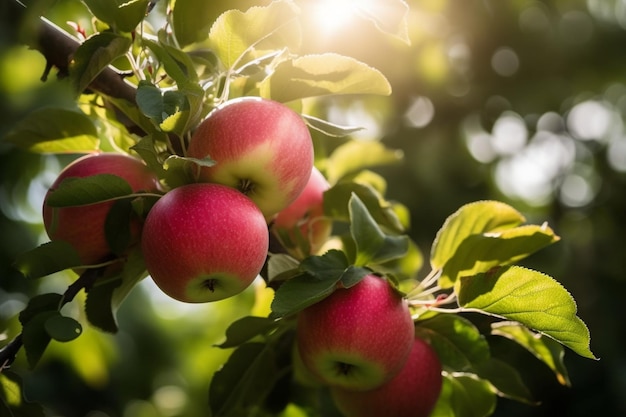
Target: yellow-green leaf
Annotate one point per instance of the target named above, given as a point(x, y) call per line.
point(54, 130)
point(236, 34)
point(528, 297)
point(465, 395)
point(474, 218)
point(543, 348)
point(389, 16)
point(354, 156)
point(372, 244)
point(481, 252)
point(323, 74)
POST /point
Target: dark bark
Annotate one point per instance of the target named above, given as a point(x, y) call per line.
point(58, 47)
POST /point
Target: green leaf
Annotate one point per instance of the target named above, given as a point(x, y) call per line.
point(318, 279)
point(191, 20)
point(281, 265)
point(505, 380)
point(47, 259)
point(328, 128)
point(337, 204)
point(53, 130)
point(236, 34)
point(117, 226)
point(35, 337)
point(104, 298)
point(13, 403)
point(300, 292)
point(405, 267)
point(353, 275)
point(150, 100)
point(372, 245)
point(244, 380)
point(321, 75)
point(41, 303)
point(354, 156)
point(179, 109)
point(99, 305)
point(179, 171)
point(246, 328)
point(178, 65)
point(133, 271)
point(135, 116)
point(528, 297)
point(62, 328)
point(159, 106)
point(389, 16)
point(75, 191)
point(458, 343)
point(120, 14)
point(329, 266)
point(465, 395)
point(94, 55)
point(146, 148)
point(481, 252)
point(471, 219)
point(543, 348)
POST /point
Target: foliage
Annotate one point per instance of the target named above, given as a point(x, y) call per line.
point(188, 67)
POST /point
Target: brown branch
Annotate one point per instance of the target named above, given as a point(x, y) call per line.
point(58, 47)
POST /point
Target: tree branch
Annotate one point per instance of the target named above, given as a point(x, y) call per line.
point(58, 47)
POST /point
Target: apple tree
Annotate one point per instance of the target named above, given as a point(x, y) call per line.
point(232, 181)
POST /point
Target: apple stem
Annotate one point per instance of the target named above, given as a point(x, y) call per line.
point(442, 299)
point(425, 285)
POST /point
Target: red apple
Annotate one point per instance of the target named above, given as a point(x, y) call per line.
point(356, 338)
point(413, 392)
point(261, 147)
point(84, 226)
point(204, 242)
point(302, 227)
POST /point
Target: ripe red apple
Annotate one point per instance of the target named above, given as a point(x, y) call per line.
point(84, 226)
point(204, 242)
point(356, 338)
point(302, 227)
point(261, 147)
point(413, 392)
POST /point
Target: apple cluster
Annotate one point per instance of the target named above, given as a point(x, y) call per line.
point(208, 240)
point(361, 343)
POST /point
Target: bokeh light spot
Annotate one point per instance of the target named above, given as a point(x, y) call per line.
point(420, 112)
point(576, 191)
point(590, 120)
point(534, 19)
point(509, 134)
point(616, 154)
point(170, 400)
point(505, 62)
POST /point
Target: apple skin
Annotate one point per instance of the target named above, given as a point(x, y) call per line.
point(413, 392)
point(302, 227)
point(83, 227)
point(261, 147)
point(204, 242)
point(357, 338)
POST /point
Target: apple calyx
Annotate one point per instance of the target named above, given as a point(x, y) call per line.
point(209, 283)
point(246, 186)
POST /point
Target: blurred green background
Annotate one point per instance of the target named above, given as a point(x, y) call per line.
point(521, 101)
